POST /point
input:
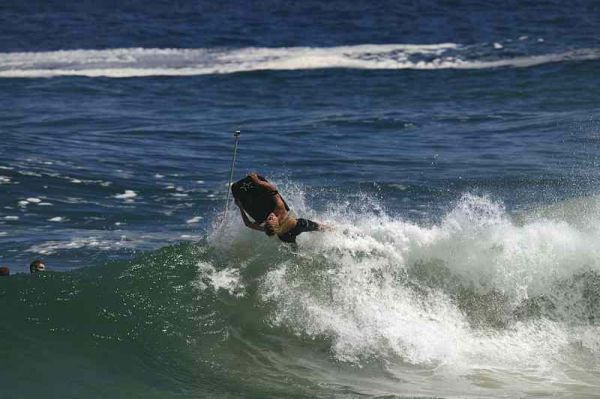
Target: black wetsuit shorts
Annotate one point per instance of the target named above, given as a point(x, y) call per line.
point(302, 225)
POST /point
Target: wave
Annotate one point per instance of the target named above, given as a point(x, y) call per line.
point(382, 286)
point(143, 62)
point(478, 296)
point(480, 290)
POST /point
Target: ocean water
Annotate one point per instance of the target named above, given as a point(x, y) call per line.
point(453, 146)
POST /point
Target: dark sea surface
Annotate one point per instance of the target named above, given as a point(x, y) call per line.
point(453, 146)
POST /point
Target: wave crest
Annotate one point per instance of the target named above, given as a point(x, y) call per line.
point(477, 288)
point(142, 62)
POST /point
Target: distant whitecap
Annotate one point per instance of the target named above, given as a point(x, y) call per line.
point(141, 62)
point(128, 194)
point(195, 219)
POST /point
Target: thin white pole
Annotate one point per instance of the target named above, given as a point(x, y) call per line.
point(237, 137)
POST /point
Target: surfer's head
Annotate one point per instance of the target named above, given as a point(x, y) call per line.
point(271, 224)
point(37, 266)
point(4, 271)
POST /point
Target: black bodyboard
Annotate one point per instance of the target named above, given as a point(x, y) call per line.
point(257, 201)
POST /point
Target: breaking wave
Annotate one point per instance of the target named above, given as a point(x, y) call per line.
point(479, 302)
point(141, 62)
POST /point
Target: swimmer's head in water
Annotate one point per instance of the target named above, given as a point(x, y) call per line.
point(37, 266)
point(271, 224)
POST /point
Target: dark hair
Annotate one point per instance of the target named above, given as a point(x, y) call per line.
point(33, 267)
point(4, 271)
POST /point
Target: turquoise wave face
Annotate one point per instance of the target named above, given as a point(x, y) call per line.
point(160, 326)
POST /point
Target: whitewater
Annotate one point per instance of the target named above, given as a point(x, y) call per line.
point(145, 62)
point(482, 302)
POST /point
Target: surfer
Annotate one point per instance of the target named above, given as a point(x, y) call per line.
point(264, 199)
point(37, 266)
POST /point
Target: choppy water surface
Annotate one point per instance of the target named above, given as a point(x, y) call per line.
point(453, 147)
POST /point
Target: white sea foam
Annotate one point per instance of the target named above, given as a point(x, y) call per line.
point(57, 219)
point(195, 219)
point(191, 236)
point(128, 194)
point(51, 247)
point(29, 173)
point(140, 62)
point(226, 279)
point(383, 287)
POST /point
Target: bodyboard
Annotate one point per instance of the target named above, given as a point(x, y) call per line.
point(257, 201)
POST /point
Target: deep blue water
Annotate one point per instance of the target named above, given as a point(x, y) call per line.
point(56, 25)
point(107, 154)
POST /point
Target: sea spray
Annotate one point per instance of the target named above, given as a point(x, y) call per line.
point(474, 291)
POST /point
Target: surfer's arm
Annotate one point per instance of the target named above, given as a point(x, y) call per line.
point(247, 221)
point(262, 183)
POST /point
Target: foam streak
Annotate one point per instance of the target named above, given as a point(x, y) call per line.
point(142, 62)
